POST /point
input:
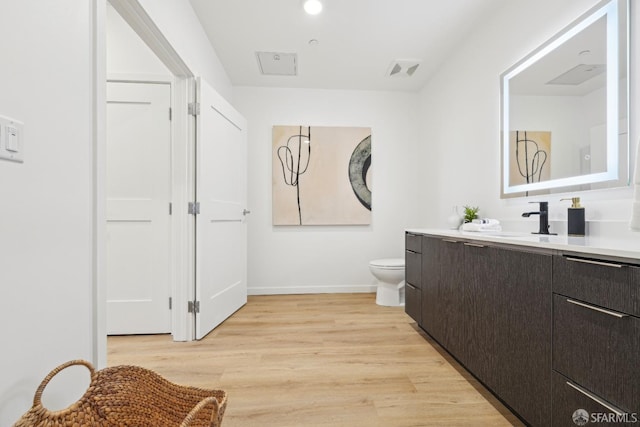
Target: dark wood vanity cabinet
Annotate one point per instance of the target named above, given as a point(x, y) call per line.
point(596, 336)
point(490, 307)
point(548, 331)
point(413, 277)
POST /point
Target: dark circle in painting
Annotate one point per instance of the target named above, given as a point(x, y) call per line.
point(358, 166)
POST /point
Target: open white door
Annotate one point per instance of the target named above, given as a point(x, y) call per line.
point(138, 196)
point(221, 189)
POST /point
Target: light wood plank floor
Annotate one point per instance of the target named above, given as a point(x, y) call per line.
point(321, 360)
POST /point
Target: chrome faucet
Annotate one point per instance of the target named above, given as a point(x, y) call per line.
point(544, 218)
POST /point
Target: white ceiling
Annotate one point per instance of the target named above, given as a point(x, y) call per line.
point(357, 39)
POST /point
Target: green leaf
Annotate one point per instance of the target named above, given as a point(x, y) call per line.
point(470, 213)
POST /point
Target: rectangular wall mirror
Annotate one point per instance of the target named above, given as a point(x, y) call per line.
point(564, 109)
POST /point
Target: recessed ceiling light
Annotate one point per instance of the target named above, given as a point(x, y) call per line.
point(312, 7)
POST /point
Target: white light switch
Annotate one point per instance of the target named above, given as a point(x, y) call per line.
point(11, 139)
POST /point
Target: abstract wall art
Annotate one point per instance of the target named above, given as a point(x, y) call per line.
point(530, 156)
point(321, 175)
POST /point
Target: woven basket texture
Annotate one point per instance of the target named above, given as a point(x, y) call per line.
point(129, 396)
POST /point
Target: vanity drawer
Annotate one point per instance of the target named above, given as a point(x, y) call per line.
point(568, 397)
point(603, 283)
point(413, 242)
point(413, 302)
point(598, 349)
point(413, 268)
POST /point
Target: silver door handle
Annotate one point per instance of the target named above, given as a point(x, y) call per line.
point(475, 245)
point(595, 399)
point(601, 310)
point(245, 212)
point(588, 261)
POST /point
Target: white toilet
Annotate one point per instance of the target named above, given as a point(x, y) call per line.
point(390, 275)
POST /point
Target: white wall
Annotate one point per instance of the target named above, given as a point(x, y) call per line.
point(305, 259)
point(127, 54)
point(47, 267)
point(46, 207)
point(459, 117)
point(180, 26)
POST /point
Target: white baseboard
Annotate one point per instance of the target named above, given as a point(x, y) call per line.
point(340, 289)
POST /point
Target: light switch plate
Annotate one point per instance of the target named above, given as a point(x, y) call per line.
point(11, 139)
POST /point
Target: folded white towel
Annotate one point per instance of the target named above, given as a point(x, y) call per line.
point(487, 221)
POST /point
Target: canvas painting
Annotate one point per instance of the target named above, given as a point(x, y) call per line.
point(321, 175)
point(530, 156)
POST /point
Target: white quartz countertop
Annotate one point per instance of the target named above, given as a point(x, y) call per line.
point(623, 248)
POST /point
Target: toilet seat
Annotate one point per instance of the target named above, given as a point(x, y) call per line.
point(388, 263)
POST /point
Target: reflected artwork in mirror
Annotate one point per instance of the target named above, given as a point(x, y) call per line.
point(564, 109)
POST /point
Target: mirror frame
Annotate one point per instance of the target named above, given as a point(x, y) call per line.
point(610, 10)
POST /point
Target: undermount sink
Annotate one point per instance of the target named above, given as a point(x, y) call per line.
point(510, 234)
point(515, 235)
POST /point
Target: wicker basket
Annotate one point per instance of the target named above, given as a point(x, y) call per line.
point(129, 396)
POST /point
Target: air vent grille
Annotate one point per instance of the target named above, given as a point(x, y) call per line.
point(579, 74)
point(277, 63)
point(403, 68)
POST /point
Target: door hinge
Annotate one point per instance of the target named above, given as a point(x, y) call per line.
point(170, 303)
point(170, 208)
point(193, 307)
point(194, 208)
point(194, 108)
point(170, 114)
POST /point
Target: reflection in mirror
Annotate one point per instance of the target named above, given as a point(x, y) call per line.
point(564, 109)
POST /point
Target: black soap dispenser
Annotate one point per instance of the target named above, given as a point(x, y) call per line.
point(575, 216)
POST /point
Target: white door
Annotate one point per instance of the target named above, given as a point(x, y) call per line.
point(138, 197)
point(221, 180)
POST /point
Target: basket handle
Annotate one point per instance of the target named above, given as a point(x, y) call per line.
point(37, 399)
point(215, 420)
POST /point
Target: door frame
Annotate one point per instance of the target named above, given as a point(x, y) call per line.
point(182, 182)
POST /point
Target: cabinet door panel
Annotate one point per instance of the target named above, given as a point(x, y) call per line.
point(524, 325)
point(609, 284)
point(413, 242)
point(451, 298)
point(508, 297)
point(431, 308)
point(483, 304)
point(413, 279)
point(413, 303)
point(568, 397)
point(598, 350)
point(413, 268)
point(442, 292)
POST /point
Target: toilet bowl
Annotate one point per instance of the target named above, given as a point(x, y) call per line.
point(390, 275)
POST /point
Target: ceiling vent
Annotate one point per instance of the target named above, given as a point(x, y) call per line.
point(277, 64)
point(403, 67)
point(579, 74)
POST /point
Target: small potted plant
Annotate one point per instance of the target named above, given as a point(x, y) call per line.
point(470, 213)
